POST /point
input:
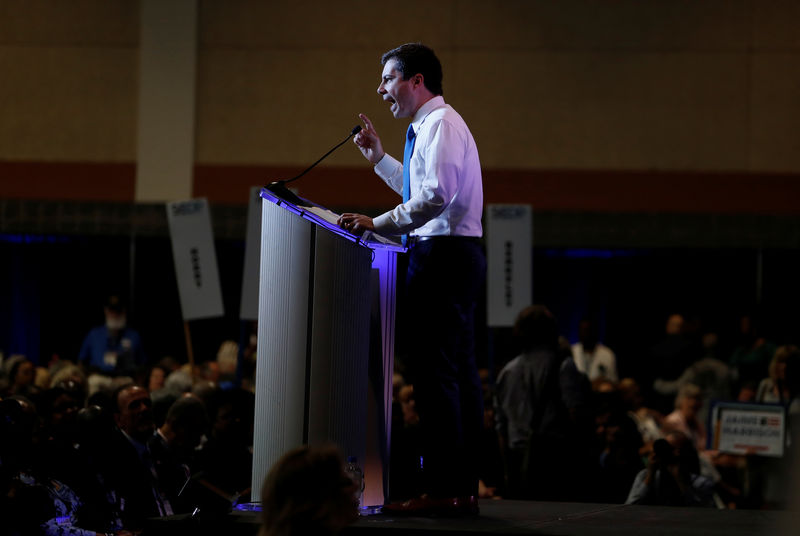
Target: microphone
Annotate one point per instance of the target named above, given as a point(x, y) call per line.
point(279, 187)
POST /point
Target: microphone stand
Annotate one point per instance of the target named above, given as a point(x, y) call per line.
point(279, 187)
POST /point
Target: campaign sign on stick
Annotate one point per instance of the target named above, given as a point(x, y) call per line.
point(509, 242)
point(749, 428)
point(195, 259)
point(252, 257)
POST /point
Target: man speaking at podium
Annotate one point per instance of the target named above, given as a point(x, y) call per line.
point(440, 220)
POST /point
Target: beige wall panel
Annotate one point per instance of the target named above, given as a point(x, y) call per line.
point(776, 112)
point(776, 24)
point(288, 106)
point(71, 104)
point(313, 23)
point(571, 110)
point(69, 22)
point(597, 24)
point(628, 84)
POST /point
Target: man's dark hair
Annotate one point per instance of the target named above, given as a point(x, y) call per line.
point(115, 395)
point(416, 58)
point(536, 327)
point(188, 412)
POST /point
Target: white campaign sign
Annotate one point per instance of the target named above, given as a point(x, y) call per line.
point(509, 243)
point(252, 250)
point(195, 259)
point(749, 429)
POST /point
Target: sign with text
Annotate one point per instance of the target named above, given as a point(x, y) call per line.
point(195, 259)
point(252, 257)
point(509, 243)
point(749, 428)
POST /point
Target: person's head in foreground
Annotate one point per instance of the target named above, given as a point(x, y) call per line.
point(308, 492)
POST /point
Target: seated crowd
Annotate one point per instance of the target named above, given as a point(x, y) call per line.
point(83, 457)
point(80, 463)
point(562, 424)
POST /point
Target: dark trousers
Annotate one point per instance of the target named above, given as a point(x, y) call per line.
point(443, 280)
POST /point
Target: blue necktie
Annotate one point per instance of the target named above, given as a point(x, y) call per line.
point(411, 137)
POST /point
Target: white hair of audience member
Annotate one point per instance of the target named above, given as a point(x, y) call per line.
point(178, 381)
point(228, 357)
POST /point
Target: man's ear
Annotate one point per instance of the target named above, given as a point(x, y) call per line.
point(419, 80)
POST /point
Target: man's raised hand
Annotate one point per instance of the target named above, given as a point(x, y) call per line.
point(368, 141)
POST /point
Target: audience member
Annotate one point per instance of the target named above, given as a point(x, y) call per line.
point(156, 378)
point(172, 450)
point(58, 408)
point(709, 373)
point(133, 473)
point(490, 466)
point(207, 371)
point(751, 357)
point(672, 476)
point(592, 357)
point(308, 492)
point(767, 476)
point(95, 431)
point(406, 452)
point(66, 371)
point(184, 426)
point(648, 421)
point(668, 358)
point(792, 376)
point(576, 388)
point(20, 373)
point(38, 503)
point(179, 381)
point(208, 392)
point(685, 417)
point(226, 459)
point(774, 389)
point(246, 369)
point(227, 361)
point(41, 379)
point(620, 444)
point(113, 349)
point(532, 419)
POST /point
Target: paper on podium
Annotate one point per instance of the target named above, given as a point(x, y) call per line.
point(327, 215)
point(331, 217)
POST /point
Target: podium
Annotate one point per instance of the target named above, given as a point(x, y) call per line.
point(325, 296)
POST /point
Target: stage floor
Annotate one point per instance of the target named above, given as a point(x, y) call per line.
point(528, 517)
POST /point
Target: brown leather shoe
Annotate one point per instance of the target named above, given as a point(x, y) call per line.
point(425, 505)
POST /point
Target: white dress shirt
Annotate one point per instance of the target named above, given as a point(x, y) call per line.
point(601, 363)
point(446, 187)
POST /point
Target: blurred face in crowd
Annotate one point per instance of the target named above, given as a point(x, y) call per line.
point(631, 393)
point(25, 374)
point(408, 405)
point(674, 325)
point(65, 409)
point(156, 380)
point(690, 405)
point(135, 416)
point(188, 430)
point(587, 335)
point(780, 369)
point(115, 319)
